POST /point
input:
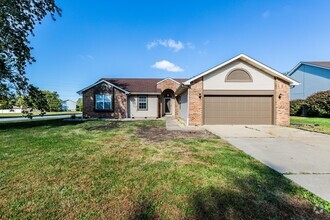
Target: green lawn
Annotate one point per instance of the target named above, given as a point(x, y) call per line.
point(321, 125)
point(14, 115)
point(138, 170)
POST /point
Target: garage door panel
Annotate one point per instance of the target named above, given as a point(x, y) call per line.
point(238, 110)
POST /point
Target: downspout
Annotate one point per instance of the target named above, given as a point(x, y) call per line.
point(127, 105)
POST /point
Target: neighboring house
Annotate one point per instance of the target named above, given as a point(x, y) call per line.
point(313, 76)
point(238, 91)
point(15, 109)
point(69, 105)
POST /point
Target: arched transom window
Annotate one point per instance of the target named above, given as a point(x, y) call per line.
point(239, 75)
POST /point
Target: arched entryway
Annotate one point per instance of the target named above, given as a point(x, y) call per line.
point(167, 100)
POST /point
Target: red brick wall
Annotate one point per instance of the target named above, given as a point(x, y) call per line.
point(282, 105)
point(196, 102)
point(119, 103)
point(168, 84)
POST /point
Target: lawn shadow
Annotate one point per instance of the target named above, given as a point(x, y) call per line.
point(248, 198)
point(144, 209)
point(53, 123)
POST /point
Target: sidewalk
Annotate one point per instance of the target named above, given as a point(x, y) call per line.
point(173, 124)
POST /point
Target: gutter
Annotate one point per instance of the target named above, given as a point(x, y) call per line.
point(182, 88)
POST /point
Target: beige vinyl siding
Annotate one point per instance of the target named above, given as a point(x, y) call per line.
point(217, 79)
point(183, 106)
point(150, 112)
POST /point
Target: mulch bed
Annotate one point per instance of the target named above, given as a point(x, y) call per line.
point(104, 127)
point(159, 133)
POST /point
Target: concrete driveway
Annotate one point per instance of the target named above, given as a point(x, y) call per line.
point(302, 156)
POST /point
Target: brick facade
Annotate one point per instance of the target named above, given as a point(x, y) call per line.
point(119, 104)
point(168, 84)
point(282, 103)
point(196, 102)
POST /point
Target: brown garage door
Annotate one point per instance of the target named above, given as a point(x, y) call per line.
point(238, 110)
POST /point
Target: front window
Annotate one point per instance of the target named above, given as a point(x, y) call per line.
point(103, 102)
point(142, 102)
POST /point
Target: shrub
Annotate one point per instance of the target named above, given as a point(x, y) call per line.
point(319, 104)
point(296, 107)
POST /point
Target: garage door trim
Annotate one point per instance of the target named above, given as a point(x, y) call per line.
point(239, 92)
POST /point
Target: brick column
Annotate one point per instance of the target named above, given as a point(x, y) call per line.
point(196, 102)
point(282, 103)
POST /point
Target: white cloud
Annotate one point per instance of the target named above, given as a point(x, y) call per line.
point(170, 43)
point(265, 14)
point(168, 66)
point(151, 45)
point(190, 45)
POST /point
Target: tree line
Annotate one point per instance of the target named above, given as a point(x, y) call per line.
point(41, 100)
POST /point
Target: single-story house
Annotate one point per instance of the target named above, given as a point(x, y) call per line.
point(14, 109)
point(313, 76)
point(238, 91)
point(69, 105)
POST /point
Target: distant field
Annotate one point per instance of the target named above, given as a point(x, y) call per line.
point(14, 115)
point(321, 125)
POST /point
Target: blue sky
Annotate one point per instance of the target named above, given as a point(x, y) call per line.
point(106, 38)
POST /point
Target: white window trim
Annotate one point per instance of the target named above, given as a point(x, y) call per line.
point(138, 103)
point(103, 109)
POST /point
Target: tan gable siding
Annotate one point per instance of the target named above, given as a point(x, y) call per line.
point(217, 79)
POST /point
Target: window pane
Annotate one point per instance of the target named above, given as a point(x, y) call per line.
point(99, 98)
point(142, 102)
point(107, 98)
point(142, 105)
point(142, 98)
point(107, 105)
point(99, 105)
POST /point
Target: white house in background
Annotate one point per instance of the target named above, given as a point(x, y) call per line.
point(15, 109)
point(69, 105)
point(313, 76)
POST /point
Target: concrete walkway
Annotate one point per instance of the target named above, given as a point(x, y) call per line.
point(173, 124)
point(302, 156)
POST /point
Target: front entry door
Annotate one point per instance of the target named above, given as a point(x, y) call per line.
point(167, 103)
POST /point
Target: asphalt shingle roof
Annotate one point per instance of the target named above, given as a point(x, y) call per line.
point(141, 85)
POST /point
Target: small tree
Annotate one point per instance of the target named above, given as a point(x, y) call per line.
point(79, 105)
point(36, 100)
point(7, 102)
point(319, 104)
point(296, 107)
point(53, 101)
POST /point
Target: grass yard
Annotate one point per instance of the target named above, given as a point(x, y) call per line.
point(138, 170)
point(15, 115)
point(321, 125)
